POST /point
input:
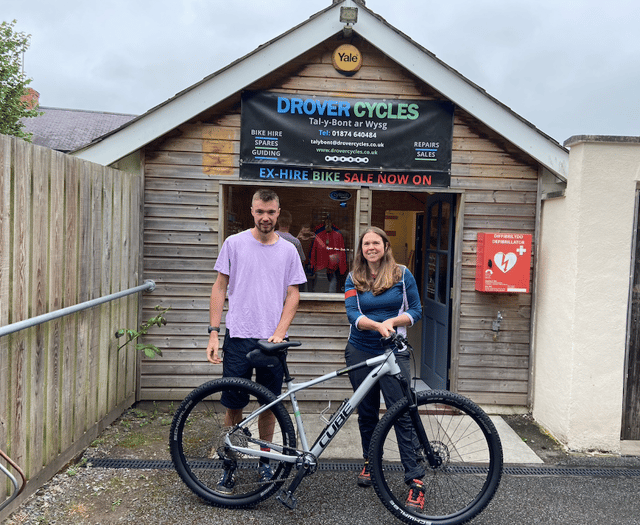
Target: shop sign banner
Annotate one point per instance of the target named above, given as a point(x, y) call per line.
point(375, 139)
point(361, 177)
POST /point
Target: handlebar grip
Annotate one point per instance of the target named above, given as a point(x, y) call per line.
point(395, 340)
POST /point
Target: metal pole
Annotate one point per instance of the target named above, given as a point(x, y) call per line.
point(28, 323)
point(17, 489)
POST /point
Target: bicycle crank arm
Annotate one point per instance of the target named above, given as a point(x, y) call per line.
point(287, 498)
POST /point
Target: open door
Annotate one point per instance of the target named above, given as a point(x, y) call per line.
point(631, 407)
point(436, 289)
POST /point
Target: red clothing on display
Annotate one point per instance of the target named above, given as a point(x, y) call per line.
point(328, 252)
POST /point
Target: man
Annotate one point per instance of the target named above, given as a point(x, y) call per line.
point(261, 272)
point(284, 223)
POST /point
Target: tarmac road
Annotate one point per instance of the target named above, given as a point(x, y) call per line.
point(330, 497)
point(548, 492)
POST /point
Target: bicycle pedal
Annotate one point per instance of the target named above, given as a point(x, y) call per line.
point(287, 499)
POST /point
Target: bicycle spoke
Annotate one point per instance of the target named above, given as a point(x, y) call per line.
point(212, 469)
point(470, 460)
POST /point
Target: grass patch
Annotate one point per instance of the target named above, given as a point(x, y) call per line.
point(134, 440)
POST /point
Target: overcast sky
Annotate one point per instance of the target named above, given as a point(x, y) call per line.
point(570, 67)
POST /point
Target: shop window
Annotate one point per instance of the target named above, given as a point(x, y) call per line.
point(321, 219)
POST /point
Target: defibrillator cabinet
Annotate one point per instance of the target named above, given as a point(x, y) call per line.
point(504, 262)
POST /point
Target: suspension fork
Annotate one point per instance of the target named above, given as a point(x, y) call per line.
point(434, 460)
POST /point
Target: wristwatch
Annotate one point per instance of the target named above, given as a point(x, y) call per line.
point(213, 329)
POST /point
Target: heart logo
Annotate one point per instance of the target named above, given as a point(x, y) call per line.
point(505, 261)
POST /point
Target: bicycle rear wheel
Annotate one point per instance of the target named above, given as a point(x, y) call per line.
point(198, 451)
point(469, 450)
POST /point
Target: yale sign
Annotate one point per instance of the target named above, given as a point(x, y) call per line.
point(347, 58)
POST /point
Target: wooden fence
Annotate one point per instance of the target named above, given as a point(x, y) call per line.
point(69, 232)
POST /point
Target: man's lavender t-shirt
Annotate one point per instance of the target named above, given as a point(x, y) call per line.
point(259, 276)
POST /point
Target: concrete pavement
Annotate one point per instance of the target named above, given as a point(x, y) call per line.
point(346, 445)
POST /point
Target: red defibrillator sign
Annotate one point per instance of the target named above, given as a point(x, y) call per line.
point(504, 262)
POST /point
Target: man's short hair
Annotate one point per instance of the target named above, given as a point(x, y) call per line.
point(265, 195)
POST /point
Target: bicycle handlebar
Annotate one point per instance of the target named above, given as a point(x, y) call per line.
point(395, 342)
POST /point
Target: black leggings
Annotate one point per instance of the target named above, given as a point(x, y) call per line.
point(369, 408)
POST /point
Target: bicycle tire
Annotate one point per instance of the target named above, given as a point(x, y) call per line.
point(466, 441)
point(197, 446)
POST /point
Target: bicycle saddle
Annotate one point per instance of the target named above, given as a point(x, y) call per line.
point(274, 348)
point(266, 355)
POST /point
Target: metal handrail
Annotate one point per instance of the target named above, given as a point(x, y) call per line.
point(28, 323)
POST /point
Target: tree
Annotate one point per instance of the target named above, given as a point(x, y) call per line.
point(13, 83)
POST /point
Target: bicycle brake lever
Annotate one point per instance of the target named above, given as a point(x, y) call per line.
point(396, 341)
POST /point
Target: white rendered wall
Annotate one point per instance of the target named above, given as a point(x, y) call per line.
point(582, 294)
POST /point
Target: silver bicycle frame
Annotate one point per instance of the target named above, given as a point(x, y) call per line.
point(387, 366)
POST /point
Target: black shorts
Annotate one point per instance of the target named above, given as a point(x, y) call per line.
point(236, 364)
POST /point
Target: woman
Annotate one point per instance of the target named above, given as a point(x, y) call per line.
point(380, 296)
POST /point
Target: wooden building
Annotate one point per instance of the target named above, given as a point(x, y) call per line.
point(199, 178)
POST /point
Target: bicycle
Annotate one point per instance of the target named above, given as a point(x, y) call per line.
point(451, 437)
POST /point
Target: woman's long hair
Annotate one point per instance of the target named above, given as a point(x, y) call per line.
point(388, 274)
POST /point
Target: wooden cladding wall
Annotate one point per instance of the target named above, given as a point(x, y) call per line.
point(182, 215)
point(500, 193)
point(69, 232)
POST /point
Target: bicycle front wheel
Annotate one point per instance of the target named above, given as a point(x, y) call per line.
point(468, 452)
point(198, 444)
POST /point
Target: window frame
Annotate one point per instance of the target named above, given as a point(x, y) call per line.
point(222, 204)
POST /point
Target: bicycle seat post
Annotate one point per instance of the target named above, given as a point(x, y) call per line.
point(285, 367)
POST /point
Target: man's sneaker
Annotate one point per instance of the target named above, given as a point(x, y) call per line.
point(226, 483)
point(415, 500)
point(266, 474)
point(364, 478)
